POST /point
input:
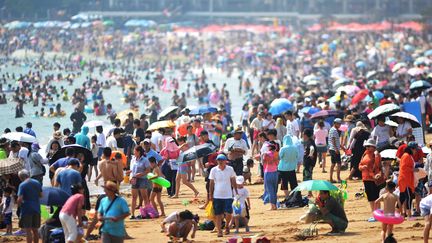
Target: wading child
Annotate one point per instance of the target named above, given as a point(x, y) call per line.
point(390, 201)
point(157, 189)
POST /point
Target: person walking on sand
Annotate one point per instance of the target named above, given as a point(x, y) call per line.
point(222, 179)
point(140, 166)
point(334, 149)
point(390, 202)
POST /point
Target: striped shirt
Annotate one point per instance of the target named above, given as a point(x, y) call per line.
point(333, 133)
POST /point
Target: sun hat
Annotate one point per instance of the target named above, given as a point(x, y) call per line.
point(239, 180)
point(370, 142)
point(110, 185)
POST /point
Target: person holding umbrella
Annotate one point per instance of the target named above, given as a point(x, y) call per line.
point(404, 128)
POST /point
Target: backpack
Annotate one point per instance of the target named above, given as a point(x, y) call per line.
point(295, 199)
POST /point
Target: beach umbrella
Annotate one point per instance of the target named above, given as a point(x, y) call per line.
point(350, 90)
point(196, 152)
point(407, 116)
point(167, 111)
point(88, 156)
point(415, 71)
point(359, 96)
point(408, 48)
point(384, 110)
point(279, 106)
point(341, 81)
point(421, 61)
point(398, 66)
point(309, 78)
point(108, 22)
point(11, 166)
point(309, 110)
point(161, 124)
point(428, 53)
point(388, 154)
point(324, 114)
point(316, 185)
point(203, 110)
point(391, 123)
point(95, 123)
point(377, 94)
point(123, 115)
point(20, 137)
point(371, 74)
point(53, 196)
point(419, 85)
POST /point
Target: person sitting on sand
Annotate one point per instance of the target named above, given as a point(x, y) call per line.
point(390, 201)
point(332, 212)
point(180, 225)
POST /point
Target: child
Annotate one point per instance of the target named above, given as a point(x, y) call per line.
point(390, 201)
point(93, 164)
point(243, 195)
point(7, 207)
point(247, 174)
point(157, 189)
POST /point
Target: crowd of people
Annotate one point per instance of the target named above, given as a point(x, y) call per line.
point(328, 84)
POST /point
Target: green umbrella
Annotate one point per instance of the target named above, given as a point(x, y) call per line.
point(316, 185)
point(108, 22)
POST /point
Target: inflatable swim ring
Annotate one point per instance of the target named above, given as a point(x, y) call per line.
point(124, 159)
point(160, 180)
point(388, 219)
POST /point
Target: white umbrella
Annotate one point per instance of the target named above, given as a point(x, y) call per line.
point(391, 123)
point(167, 111)
point(95, 123)
point(20, 137)
point(388, 154)
point(407, 116)
point(384, 110)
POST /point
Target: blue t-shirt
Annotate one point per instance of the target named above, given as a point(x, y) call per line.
point(154, 154)
point(67, 178)
point(118, 208)
point(30, 191)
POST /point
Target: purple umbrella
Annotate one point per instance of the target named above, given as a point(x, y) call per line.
point(325, 113)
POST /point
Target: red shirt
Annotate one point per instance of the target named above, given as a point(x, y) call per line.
point(72, 205)
point(417, 156)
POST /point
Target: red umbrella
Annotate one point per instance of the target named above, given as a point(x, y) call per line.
point(359, 96)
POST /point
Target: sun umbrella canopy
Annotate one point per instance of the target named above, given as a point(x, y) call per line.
point(341, 81)
point(428, 53)
point(123, 115)
point(167, 111)
point(359, 96)
point(420, 84)
point(95, 123)
point(53, 196)
point(11, 165)
point(384, 110)
point(399, 66)
point(407, 116)
point(20, 137)
point(203, 110)
point(316, 185)
point(161, 124)
point(88, 156)
point(388, 154)
point(415, 71)
point(324, 113)
point(279, 106)
point(309, 110)
point(198, 151)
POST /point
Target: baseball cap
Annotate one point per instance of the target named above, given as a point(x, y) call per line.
point(239, 180)
point(147, 140)
point(338, 120)
point(221, 157)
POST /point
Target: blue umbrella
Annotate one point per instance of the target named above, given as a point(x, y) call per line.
point(378, 94)
point(53, 196)
point(309, 110)
point(360, 64)
point(279, 106)
point(409, 48)
point(203, 110)
point(428, 52)
point(420, 84)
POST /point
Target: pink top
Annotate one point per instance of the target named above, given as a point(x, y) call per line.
point(272, 164)
point(167, 154)
point(72, 205)
point(320, 136)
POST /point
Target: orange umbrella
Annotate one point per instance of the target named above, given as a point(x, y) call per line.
point(182, 129)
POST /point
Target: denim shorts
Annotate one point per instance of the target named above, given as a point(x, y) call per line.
point(222, 206)
point(142, 183)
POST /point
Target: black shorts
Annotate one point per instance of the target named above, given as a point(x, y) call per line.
point(94, 162)
point(372, 190)
point(157, 189)
point(30, 221)
point(407, 196)
point(335, 158)
point(288, 177)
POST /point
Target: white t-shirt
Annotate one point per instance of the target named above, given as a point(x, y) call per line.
point(156, 137)
point(222, 182)
point(426, 203)
point(231, 143)
point(101, 140)
point(23, 154)
point(293, 128)
point(11, 205)
point(243, 194)
point(111, 142)
point(402, 129)
point(171, 218)
point(383, 133)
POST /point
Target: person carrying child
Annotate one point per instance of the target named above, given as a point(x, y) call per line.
point(390, 201)
point(156, 192)
point(241, 211)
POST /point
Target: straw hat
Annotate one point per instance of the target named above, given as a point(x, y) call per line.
point(112, 186)
point(349, 118)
